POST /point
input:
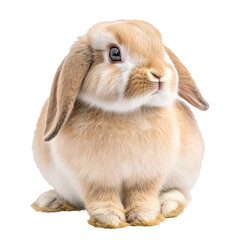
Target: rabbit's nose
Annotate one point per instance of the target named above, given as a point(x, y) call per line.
point(154, 77)
point(157, 76)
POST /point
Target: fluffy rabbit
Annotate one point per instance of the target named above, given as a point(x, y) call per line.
point(114, 137)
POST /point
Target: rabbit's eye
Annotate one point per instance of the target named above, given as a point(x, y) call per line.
point(114, 54)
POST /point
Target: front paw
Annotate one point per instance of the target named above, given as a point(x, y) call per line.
point(144, 216)
point(108, 217)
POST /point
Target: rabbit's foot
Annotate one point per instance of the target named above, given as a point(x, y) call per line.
point(50, 201)
point(173, 203)
point(144, 215)
point(144, 219)
point(108, 217)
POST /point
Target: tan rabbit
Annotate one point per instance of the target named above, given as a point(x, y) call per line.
point(114, 137)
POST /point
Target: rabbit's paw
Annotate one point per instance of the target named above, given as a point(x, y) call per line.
point(50, 201)
point(144, 216)
point(108, 218)
point(173, 203)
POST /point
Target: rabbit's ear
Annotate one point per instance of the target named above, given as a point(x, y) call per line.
point(65, 88)
point(187, 88)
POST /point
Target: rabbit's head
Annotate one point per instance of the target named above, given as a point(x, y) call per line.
point(120, 67)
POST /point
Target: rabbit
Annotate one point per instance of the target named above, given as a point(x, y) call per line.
point(115, 136)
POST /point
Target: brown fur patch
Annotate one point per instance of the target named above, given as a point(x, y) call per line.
point(128, 31)
point(188, 89)
point(65, 87)
point(97, 57)
point(138, 84)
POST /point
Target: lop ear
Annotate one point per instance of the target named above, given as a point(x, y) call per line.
point(65, 88)
point(187, 88)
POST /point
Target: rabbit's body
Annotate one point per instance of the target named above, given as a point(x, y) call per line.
point(117, 150)
point(122, 144)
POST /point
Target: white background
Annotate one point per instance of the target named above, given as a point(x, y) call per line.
point(36, 35)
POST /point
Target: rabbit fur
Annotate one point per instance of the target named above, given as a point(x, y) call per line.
point(115, 137)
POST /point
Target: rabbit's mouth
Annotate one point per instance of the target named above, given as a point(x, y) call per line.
point(158, 87)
